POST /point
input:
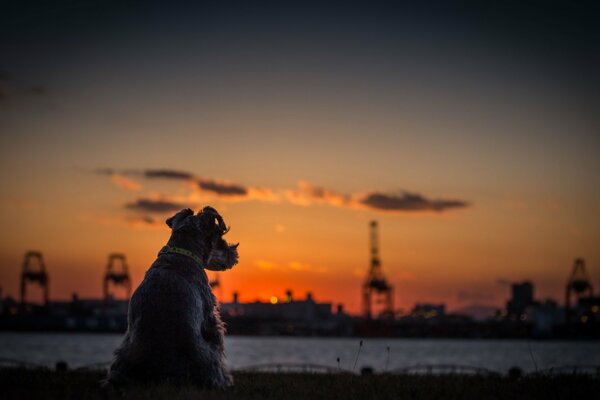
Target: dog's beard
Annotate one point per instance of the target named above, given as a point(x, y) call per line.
point(222, 257)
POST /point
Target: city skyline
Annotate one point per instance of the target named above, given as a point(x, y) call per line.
point(469, 134)
point(118, 264)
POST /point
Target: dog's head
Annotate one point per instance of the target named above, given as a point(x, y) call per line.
point(205, 230)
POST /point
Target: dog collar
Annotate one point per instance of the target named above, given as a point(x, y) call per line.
point(178, 250)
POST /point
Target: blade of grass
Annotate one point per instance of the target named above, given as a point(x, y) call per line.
point(357, 354)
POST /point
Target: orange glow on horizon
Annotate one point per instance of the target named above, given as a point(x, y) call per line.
point(450, 258)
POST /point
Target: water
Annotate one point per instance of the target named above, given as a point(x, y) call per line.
point(499, 355)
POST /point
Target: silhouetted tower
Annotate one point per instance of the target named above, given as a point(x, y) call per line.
point(578, 284)
point(375, 287)
point(216, 285)
point(117, 277)
point(31, 275)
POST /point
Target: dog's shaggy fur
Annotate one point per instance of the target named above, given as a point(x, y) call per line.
point(174, 328)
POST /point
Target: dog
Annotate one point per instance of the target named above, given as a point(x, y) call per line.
point(174, 328)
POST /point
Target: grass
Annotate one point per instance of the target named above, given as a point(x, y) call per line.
point(82, 385)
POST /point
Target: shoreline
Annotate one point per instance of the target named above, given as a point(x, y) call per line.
point(18, 383)
point(465, 338)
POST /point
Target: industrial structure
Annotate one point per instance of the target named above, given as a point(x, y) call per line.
point(376, 290)
point(31, 275)
point(578, 286)
point(118, 277)
point(523, 317)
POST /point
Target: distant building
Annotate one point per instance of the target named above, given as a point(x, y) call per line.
point(9, 306)
point(88, 307)
point(544, 317)
point(89, 315)
point(426, 310)
point(522, 297)
point(588, 309)
point(288, 309)
point(286, 316)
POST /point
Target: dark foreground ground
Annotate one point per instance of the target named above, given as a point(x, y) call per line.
point(47, 384)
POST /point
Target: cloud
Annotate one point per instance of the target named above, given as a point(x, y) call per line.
point(147, 173)
point(167, 174)
point(11, 88)
point(154, 206)
point(118, 179)
point(125, 183)
point(305, 267)
point(297, 266)
point(228, 191)
point(135, 222)
point(105, 171)
point(307, 194)
point(262, 194)
point(409, 202)
point(265, 265)
point(209, 188)
point(222, 188)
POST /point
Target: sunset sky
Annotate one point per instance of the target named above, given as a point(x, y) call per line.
point(469, 132)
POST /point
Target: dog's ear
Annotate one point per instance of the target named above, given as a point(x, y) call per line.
point(211, 218)
point(176, 220)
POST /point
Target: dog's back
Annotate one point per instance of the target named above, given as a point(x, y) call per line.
point(169, 316)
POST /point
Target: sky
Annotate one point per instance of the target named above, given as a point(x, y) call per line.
point(468, 131)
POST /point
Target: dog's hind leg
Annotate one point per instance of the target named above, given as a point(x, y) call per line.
point(118, 373)
point(209, 369)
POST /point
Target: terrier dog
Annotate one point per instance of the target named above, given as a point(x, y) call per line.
point(174, 328)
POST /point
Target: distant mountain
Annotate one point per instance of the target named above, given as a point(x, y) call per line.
point(478, 312)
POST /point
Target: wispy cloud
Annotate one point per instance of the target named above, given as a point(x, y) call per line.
point(204, 189)
point(11, 88)
point(140, 222)
point(229, 191)
point(167, 174)
point(307, 194)
point(297, 266)
point(125, 183)
point(265, 265)
point(154, 205)
point(409, 202)
point(222, 188)
point(209, 188)
point(305, 267)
